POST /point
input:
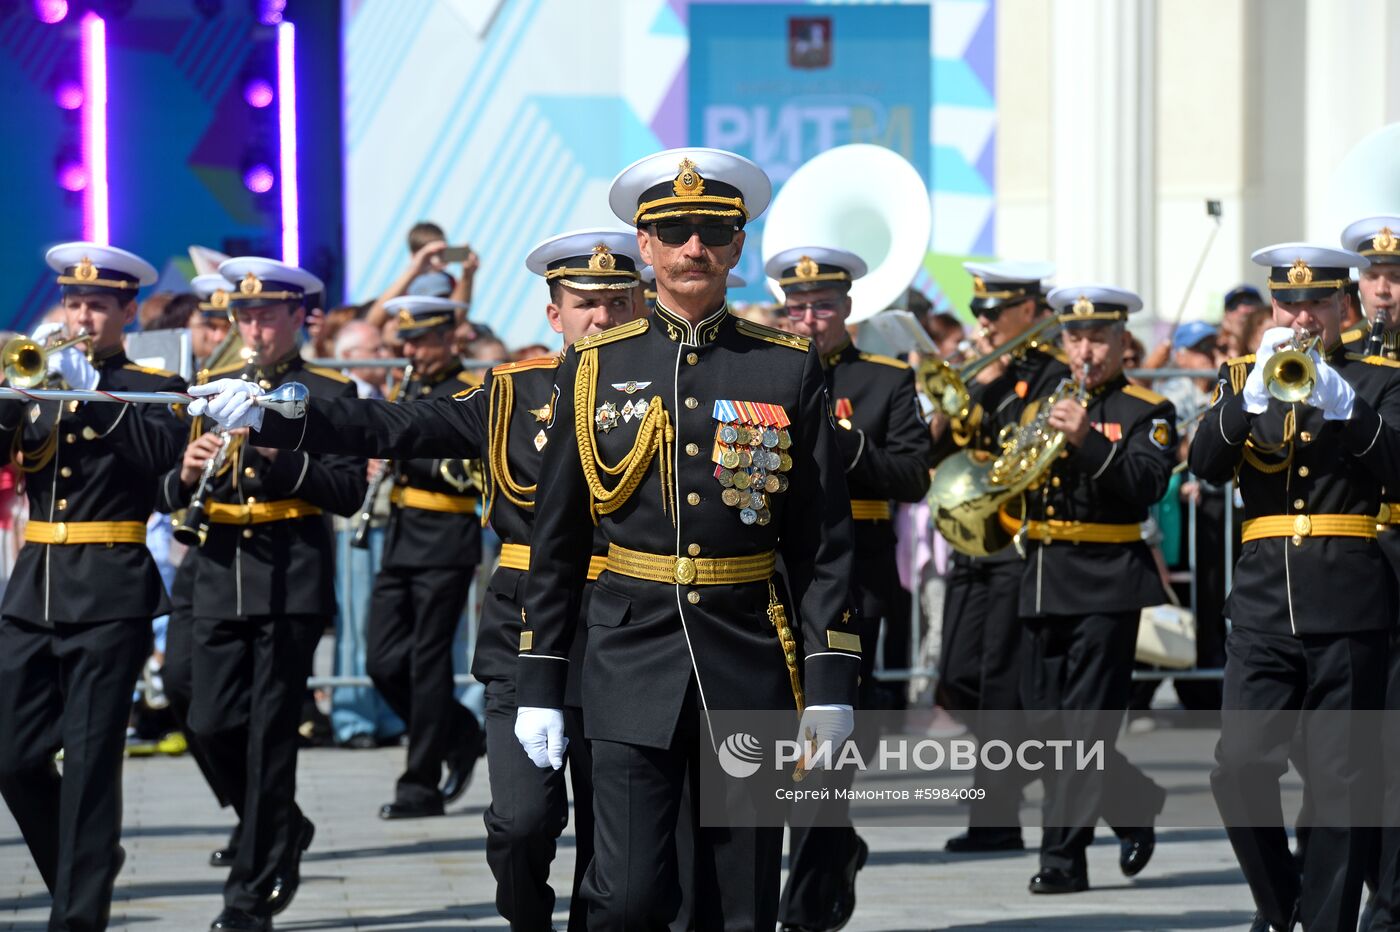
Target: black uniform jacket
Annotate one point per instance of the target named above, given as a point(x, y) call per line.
point(1291, 461)
point(501, 422)
point(284, 567)
point(106, 460)
point(1030, 375)
point(1121, 469)
point(887, 451)
point(423, 536)
point(648, 640)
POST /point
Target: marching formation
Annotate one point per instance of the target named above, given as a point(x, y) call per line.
point(696, 516)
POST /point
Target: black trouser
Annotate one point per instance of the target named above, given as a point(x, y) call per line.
point(413, 617)
point(1084, 663)
point(633, 884)
point(178, 674)
point(528, 811)
point(69, 687)
point(1282, 673)
point(980, 668)
point(1384, 871)
point(250, 675)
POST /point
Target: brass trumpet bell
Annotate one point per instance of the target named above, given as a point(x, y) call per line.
point(1290, 375)
point(946, 385)
point(26, 362)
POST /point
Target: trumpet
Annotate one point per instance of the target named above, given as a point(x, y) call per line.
point(946, 386)
point(970, 488)
point(360, 539)
point(1291, 374)
point(26, 361)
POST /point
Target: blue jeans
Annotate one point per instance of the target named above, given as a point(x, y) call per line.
point(357, 710)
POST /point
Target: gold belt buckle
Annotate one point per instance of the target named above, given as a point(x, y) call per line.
point(60, 533)
point(1302, 526)
point(685, 571)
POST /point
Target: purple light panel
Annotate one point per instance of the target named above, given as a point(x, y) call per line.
point(50, 11)
point(96, 227)
point(287, 141)
point(258, 93)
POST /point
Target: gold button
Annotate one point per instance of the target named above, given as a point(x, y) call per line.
point(691, 359)
point(691, 449)
point(1303, 472)
point(60, 533)
point(247, 533)
point(693, 597)
point(61, 504)
point(264, 384)
point(65, 472)
point(1297, 541)
point(70, 438)
point(252, 500)
point(1305, 437)
point(1299, 504)
point(693, 498)
point(249, 471)
point(692, 403)
point(693, 550)
point(73, 407)
point(1055, 482)
point(1049, 511)
point(89, 433)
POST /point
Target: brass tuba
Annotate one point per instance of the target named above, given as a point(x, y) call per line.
point(946, 386)
point(970, 488)
point(1291, 374)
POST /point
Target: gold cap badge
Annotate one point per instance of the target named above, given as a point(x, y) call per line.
point(219, 298)
point(602, 259)
point(688, 182)
point(1300, 273)
point(807, 268)
point(1082, 306)
point(85, 271)
point(979, 287)
point(251, 284)
point(1385, 241)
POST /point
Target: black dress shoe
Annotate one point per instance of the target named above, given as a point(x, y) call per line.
point(399, 810)
point(223, 857)
point(1135, 850)
point(976, 840)
point(288, 879)
point(843, 905)
point(459, 771)
point(1054, 880)
point(239, 920)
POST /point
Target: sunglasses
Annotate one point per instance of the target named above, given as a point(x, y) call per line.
point(678, 232)
point(820, 309)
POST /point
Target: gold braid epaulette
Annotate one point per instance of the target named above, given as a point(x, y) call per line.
point(772, 334)
point(654, 434)
point(1239, 371)
point(499, 407)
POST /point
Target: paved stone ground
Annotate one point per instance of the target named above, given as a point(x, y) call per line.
point(431, 874)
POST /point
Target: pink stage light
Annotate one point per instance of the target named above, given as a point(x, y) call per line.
point(259, 178)
point(258, 93)
point(96, 228)
point(68, 94)
point(51, 11)
point(71, 174)
point(287, 141)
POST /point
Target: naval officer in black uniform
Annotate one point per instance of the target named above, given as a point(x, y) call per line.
point(593, 286)
point(733, 458)
point(75, 623)
point(887, 452)
point(981, 656)
point(431, 548)
point(1087, 575)
point(1313, 603)
point(263, 592)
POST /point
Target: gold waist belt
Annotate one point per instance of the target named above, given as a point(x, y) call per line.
point(864, 509)
point(260, 512)
point(1300, 526)
point(1390, 513)
point(691, 571)
point(424, 500)
point(517, 557)
point(85, 532)
point(1083, 532)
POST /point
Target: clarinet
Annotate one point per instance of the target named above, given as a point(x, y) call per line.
point(360, 539)
point(1375, 343)
point(194, 529)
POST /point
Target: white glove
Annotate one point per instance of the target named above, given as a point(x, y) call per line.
point(1332, 394)
point(541, 733)
point(46, 332)
point(229, 402)
point(1256, 395)
point(824, 725)
point(73, 367)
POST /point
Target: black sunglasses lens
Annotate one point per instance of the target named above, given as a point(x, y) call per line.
point(716, 234)
point(674, 233)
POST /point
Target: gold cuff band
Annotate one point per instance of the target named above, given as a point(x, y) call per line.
point(424, 500)
point(260, 512)
point(863, 509)
point(517, 557)
point(690, 571)
point(85, 532)
point(1300, 526)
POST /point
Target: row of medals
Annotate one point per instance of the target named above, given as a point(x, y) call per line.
point(752, 461)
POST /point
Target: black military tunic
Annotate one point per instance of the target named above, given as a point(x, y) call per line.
point(431, 548)
point(1311, 612)
point(76, 625)
point(264, 591)
point(502, 422)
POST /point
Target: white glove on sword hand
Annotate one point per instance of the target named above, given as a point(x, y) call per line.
point(231, 403)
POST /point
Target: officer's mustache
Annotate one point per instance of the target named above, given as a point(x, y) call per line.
point(693, 265)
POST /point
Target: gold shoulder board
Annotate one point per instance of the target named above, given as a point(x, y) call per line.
point(884, 360)
point(1143, 394)
point(537, 362)
point(149, 370)
point(772, 335)
point(206, 374)
point(1053, 351)
point(632, 329)
point(1376, 360)
point(332, 374)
